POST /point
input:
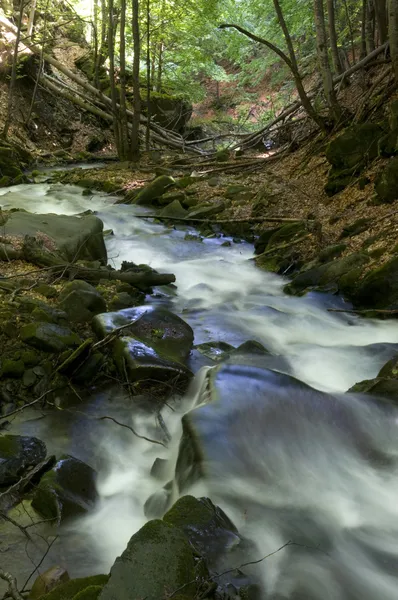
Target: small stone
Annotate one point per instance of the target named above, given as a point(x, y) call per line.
point(12, 368)
point(29, 378)
point(48, 337)
point(47, 581)
point(48, 291)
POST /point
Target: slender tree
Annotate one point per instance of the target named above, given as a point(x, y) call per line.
point(13, 71)
point(393, 34)
point(323, 59)
point(381, 19)
point(135, 138)
point(111, 49)
point(338, 68)
point(148, 75)
point(370, 27)
point(124, 132)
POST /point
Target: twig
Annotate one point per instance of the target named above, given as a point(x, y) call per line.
point(40, 563)
point(111, 336)
point(12, 585)
point(142, 437)
point(18, 410)
point(280, 247)
point(16, 524)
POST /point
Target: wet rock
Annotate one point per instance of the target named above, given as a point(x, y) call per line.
point(157, 327)
point(206, 526)
point(286, 233)
point(159, 502)
point(68, 490)
point(49, 314)
point(159, 468)
point(48, 581)
point(17, 454)
point(384, 385)
point(143, 363)
point(379, 288)
point(48, 337)
point(251, 347)
point(79, 589)
point(72, 238)
point(81, 301)
point(152, 191)
point(174, 210)
point(157, 561)
point(386, 183)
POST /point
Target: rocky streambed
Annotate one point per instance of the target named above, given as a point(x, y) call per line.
point(120, 429)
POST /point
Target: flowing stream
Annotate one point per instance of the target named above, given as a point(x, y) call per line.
point(223, 296)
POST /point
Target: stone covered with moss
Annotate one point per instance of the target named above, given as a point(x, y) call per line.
point(76, 588)
point(157, 562)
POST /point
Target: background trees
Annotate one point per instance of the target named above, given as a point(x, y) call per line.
point(139, 48)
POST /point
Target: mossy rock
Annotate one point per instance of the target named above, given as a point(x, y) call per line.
point(344, 273)
point(355, 147)
point(170, 197)
point(286, 233)
point(48, 581)
point(174, 210)
point(339, 179)
point(81, 301)
point(205, 211)
point(261, 242)
point(48, 337)
point(152, 191)
point(386, 183)
point(67, 491)
point(70, 589)
point(89, 593)
point(330, 252)
point(356, 228)
point(157, 561)
point(379, 288)
point(388, 144)
point(11, 368)
point(185, 182)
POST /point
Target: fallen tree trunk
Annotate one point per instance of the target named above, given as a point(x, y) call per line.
point(215, 221)
point(33, 252)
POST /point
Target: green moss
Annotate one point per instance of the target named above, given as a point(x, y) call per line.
point(12, 368)
point(188, 511)
point(89, 593)
point(70, 589)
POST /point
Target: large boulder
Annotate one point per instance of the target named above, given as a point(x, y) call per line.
point(157, 327)
point(70, 238)
point(83, 588)
point(171, 112)
point(17, 454)
point(154, 345)
point(157, 562)
point(67, 491)
point(350, 152)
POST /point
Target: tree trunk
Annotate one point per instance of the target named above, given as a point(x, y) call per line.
point(148, 75)
point(370, 35)
point(381, 19)
point(363, 29)
point(323, 59)
point(13, 73)
point(393, 35)
point(111, 44)
point(338, 67)
point(292, 64)
point(41, 63)
point(124, 134)
point(160, 68)
point(135, 139)
point(31, 18)
point(347, 12)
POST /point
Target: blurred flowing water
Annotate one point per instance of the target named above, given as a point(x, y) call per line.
point(305, 481)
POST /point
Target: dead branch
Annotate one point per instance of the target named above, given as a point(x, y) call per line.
point(12, 585)
point(280, 247)
point(364, 311)
point(217, 221)
point(21, 408)
point(142, 437)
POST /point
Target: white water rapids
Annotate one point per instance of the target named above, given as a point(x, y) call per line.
point(323, 492)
